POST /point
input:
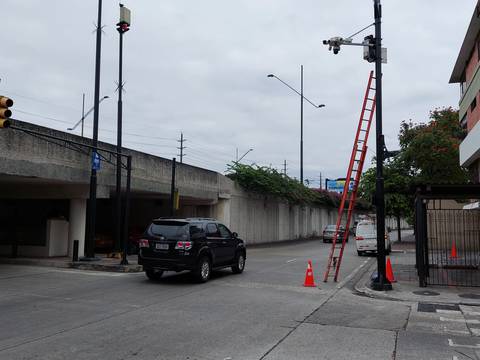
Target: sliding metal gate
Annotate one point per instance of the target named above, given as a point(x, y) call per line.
point(448, 242)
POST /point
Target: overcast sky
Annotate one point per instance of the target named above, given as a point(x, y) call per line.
point(201, 67)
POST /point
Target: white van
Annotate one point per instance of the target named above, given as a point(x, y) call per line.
point(366, 238)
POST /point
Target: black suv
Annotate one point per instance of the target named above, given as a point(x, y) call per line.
point(195, 244)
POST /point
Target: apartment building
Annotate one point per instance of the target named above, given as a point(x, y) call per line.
point(466, 73)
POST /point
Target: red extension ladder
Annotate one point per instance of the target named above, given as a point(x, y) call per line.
point(354, 170)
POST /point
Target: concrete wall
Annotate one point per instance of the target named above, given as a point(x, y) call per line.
point(391, 222)
point(262, 219)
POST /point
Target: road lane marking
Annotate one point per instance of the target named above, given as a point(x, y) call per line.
point(291, 260)
point(452, 344)
point(471, 313)
point(447, 312)
point(459, 332)
point(469, 321)
point(475, 331)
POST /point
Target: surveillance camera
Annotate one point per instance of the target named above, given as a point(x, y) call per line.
point(334, 44)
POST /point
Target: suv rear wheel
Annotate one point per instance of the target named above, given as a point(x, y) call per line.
point(239, 265)
point(203, 270)
point(153, 274)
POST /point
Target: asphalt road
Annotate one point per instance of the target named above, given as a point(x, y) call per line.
point(264, 313)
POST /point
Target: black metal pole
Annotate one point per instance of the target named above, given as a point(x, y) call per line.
point(381, 282)
point(126, 214)
point(399, 229)
point(301, 124)
point(118, 193)
point(172, 188)
point(83, 111)
point(92, 201)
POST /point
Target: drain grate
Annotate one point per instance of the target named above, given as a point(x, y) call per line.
point(428, 307)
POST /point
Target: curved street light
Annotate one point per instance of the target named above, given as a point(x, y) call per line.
point(301, 112)
point(86, 114)
point(244, 155)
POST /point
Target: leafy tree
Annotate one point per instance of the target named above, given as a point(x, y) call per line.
point(429, 154)
point(398, 199)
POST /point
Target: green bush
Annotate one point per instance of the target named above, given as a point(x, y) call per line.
point(268, 181)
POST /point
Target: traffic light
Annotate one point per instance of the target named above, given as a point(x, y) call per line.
point(369, 49)
point(5, 112)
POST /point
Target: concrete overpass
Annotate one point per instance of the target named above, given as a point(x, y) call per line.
point(44, 188)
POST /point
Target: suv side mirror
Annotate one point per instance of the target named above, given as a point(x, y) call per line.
point(234, 235)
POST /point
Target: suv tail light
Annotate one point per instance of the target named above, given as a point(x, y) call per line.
point(183, 245)
point(143, 243)
point(359, 238)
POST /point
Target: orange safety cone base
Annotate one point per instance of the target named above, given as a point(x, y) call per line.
point(309, 280)
point(389, 272)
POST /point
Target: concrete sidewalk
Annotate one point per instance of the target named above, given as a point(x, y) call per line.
point(103, 264)
point(406, 287)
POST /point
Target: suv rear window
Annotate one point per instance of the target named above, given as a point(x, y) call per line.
point(169, 229)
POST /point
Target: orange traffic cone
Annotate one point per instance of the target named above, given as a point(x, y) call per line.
point(453, 252)
point(309, 280)
point(389, 274)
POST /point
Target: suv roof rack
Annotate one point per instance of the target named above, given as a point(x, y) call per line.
point(184, 219)
point(200, 218)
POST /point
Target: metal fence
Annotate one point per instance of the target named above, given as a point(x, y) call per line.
point(452, 249)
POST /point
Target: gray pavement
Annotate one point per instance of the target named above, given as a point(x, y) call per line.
point(264, 313)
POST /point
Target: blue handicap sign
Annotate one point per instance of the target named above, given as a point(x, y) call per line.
point(95, 161)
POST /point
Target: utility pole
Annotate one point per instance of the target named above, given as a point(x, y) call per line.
point(320, 181)
point(92, 201)
point(301, 124)
point(181, 148)
point(285, 168)
point(381, 282)
point(172, 188)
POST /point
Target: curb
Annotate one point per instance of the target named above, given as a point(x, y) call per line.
point(110, 268)
point(80, 265)
point(33, 262)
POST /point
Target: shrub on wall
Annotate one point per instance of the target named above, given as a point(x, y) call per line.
point(268, 181)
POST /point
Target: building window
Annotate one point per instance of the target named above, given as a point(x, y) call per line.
point(478, 49)
point(463, 122)
point(473, 105)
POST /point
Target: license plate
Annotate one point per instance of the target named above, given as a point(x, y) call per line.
point(161, 246)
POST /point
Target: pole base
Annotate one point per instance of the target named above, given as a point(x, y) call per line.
point(86, 258)
point(378, 284)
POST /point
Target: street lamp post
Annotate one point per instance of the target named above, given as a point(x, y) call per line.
point(302, 97)
point(92, 201)
point(122, 27)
